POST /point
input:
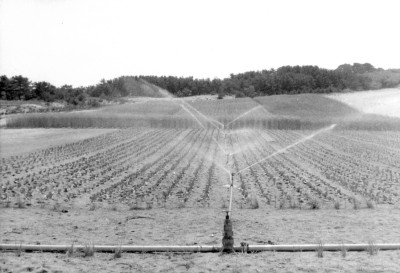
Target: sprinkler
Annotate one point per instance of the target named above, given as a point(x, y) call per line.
point(227, 239)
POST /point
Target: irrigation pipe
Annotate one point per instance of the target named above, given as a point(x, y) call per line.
point(204, 248)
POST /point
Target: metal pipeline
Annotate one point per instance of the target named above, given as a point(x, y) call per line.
point(204, 248)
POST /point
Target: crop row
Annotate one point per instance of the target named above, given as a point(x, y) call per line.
point(70, 178)
point(372, 180)
point(280, 179)
point(170, 167)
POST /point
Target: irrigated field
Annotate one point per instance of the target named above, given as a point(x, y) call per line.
point(177, 154)
point(175, 168)
point(162, 166)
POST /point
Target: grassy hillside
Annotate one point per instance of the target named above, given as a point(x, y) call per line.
point(140, 88)
point(323, 110)
point(306, 106)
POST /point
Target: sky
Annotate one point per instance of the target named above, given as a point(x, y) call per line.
point(80, 42)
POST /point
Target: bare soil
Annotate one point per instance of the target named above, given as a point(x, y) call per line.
point(118, 225)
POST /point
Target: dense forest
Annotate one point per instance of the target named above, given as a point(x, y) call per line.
point(20, 88)
point(284, 80)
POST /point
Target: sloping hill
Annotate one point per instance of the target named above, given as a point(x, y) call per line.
point(372, 110)
point(382, 102)
point(141, 88)
point(306, 106)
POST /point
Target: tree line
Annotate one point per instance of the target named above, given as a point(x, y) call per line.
point(284, 80)
point(21, 88)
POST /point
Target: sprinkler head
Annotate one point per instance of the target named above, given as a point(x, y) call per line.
point(227, 214)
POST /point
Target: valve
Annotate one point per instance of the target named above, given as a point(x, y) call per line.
point(227, 240)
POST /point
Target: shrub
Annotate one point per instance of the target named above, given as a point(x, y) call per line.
point(240, 95)
point(370, 204)
point(7, 203)
point(113, 207)
point(224, 205)
point(356, 204)
point(293, 204)
point(181, 204)
point(314, 204)
point(282, 204)
point(88, 250)
point(372, 249)
point(149, 205)
point(337, 205)
point(320, 249)
point(343, 251)
point(118, 252)
point(254, 203)
point(94, 103)
point(135, 206)
point(71, 251)
point(19, 251)
point(92, 206)
point(56, 206)
point(21, 203)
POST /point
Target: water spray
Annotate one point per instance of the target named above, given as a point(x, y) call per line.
point(219, 145)
point(227, 239)
point(290, 146)
point(244, 114)
point(213, 122)
point(193, 116)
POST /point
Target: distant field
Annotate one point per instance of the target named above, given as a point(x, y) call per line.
point(306, 106)
point(383, 102)
point(295, 112)
point(19, 141)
